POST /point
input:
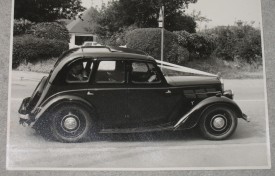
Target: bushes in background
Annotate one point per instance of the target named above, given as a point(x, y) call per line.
point(149, 41)
point(27, 48)
point(51, 30)
point(199, 45)
point(240, 42)
point(237, 42)
point(46, 30)
point(179, 46)
point(21, 26)
point(38, 42)
point(118, 38)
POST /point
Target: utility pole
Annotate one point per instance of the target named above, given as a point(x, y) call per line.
point(161, 25)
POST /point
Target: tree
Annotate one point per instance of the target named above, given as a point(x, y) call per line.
point(179, 22)
point(46, 10)
point(197, 16)
point(144, 14)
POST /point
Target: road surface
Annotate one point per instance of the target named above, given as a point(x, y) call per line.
point(246, 149)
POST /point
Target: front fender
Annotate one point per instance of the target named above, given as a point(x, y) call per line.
point(45, 107)
point(193, 116)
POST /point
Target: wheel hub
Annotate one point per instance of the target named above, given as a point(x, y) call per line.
point(218, 122)
point(70, 123)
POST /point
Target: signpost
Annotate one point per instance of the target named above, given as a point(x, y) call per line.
point(161, 25)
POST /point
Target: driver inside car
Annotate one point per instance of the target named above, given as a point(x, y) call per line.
point(77, 73)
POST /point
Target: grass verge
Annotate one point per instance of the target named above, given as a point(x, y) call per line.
point(43, 66)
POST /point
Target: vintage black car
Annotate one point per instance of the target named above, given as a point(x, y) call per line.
point(118, 90)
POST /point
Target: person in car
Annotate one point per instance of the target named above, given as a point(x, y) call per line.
point(77, 73)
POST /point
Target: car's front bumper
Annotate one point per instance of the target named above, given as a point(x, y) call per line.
point(245, 117)
point(229, 94)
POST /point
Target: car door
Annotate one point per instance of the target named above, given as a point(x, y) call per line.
point(150, 100)
point(108, 92)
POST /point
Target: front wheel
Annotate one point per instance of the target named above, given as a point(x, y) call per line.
point(218, 123)
point(70, 123)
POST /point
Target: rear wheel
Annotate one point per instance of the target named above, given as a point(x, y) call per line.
point(218, 123)
point(70, 123)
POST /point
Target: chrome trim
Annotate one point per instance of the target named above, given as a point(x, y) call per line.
point(184, 118)
point(219, 122)
point(246, 118)
point(70, 122)
point(24, 116)
point(90, 93)
point(203, 93)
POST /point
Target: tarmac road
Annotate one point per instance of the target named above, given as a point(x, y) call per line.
point(246, 149)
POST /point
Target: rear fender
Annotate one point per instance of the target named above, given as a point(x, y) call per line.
point(54, 102)
point(190, 119)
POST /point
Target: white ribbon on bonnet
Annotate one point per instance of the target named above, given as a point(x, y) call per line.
point(179, 68)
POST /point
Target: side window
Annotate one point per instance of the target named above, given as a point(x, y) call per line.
point(144, 73)
point(140, 67)
point(110, 72)
point(79, 71)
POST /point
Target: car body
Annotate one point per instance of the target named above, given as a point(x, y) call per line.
point(120, 90)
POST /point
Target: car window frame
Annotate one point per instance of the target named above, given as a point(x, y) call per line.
point(89, 61)
point(160, 82)
point(96, 66)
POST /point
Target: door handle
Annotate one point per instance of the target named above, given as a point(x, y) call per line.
point(90, 93)
point(168, 92)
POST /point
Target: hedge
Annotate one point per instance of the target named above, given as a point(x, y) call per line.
point(200, 45)
point(51, 30)
point(238, 42)
point(28, 48)
point(149, 41)
point(21, 26)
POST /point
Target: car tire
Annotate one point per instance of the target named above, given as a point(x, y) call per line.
point(70, 123)
point(218, 122)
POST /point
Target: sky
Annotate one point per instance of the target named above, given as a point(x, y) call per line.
point(226, 12)
point(220, 12)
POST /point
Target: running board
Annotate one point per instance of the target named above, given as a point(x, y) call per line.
point(138, 130)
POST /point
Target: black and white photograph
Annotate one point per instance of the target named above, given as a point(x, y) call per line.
point(137, 85)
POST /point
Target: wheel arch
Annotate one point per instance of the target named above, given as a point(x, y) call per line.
point(46, 108)
point(192, 118)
